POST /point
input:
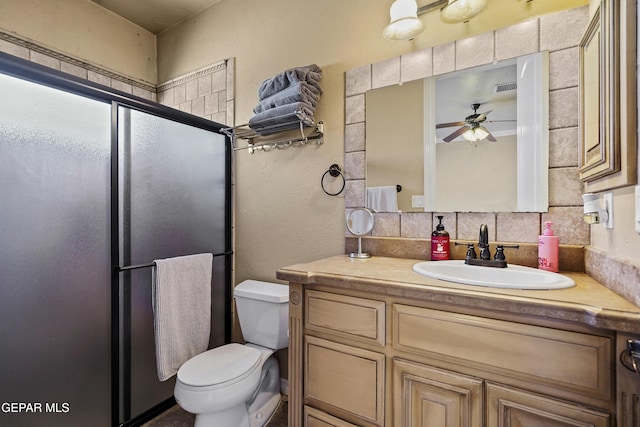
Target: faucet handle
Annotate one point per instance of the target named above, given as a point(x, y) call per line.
point(471, 252)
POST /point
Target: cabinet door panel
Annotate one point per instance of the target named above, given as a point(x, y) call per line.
point(425, 396)
point(508, 407)
point(344, 377)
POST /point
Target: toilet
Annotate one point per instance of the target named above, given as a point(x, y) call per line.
point(239, 385)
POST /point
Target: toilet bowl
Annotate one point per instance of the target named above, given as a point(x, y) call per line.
point(238, 385)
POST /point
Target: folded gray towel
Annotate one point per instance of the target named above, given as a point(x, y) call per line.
point(283, 117)
point(297, 92)
point(181, 294)
point(310, 74)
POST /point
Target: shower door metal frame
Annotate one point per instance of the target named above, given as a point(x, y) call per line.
point(36, 73)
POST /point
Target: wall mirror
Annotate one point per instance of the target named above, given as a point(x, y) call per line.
point(418, 138)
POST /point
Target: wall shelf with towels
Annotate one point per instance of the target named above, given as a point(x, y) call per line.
point(256, 141)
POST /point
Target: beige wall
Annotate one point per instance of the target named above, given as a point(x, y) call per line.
point(84, 30)
point(282, 215)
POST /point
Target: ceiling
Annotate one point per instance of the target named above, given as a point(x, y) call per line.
point(156, 15)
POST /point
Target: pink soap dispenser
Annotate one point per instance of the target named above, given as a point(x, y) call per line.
point(548, 249)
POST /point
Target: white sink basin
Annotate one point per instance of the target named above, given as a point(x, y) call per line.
point(513, 277)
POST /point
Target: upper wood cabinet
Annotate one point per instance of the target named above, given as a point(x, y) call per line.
point(608, 116)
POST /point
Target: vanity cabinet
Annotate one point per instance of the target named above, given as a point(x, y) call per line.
point(373, 344)
point(372, 360)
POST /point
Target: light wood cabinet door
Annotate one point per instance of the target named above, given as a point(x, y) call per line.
point(347, 381)
point(508, 407)
point(425, 396)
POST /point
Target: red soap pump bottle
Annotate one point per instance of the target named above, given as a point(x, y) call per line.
point(440, 242)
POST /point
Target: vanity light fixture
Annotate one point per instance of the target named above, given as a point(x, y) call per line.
point(405, 24)
point(594, 213)
point(462, 10)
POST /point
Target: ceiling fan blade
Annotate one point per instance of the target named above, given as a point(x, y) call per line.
point(455, 134)
point(448, 125)
point(498, 121)
point(490, 137)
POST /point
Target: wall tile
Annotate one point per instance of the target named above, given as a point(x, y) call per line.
point(211, 103)
point(354, 109)
point(14, 49)
point(469, 225)
point(354, 165)
point(99, 78)
point(204, 85)
point(197, 106)
point(564, 68)
point(354, 137)
point(121, 86)
point(568, 225)
point(416, 65)
point(517, 227)
point(385, 73)
point(476, 50)
point(46, 60)
point(563, 147)
point(191, 89)
point(450, 222)
point(354, 194)
point(167, 97)
point(386, 225)
point(143, 93)
point(416, 224)
point(517, 40)
point(564, 29)
point(219, 81)
point(565, 187)
point(180, 94)
point(444, 58)
point(230, 79)
point(185, 106)
point(222, 101)
point(358, 80)
point(73, 69)
point(563, 108)
point(219, 117)
point(231, 112)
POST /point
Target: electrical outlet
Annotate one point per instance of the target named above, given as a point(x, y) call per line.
point(637, 220)
point(417, 201)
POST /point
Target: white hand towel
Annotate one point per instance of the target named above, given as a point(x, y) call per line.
point(382, 199)
point(181, 293)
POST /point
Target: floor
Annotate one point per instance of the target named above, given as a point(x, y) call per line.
point(176, 417)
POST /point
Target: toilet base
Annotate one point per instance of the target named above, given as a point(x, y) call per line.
point(235, 416)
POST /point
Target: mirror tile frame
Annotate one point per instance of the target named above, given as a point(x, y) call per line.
point(560, 34)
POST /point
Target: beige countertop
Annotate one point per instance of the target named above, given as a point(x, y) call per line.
point(589, 302)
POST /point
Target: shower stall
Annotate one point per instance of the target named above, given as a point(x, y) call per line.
point(94, 186)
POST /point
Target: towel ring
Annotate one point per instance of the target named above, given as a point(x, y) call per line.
point(334, 171)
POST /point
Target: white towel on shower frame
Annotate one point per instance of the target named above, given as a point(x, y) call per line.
point(181, 293)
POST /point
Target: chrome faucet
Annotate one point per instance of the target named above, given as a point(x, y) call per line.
point(485, 252)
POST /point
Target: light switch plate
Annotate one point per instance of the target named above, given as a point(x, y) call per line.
point(637, 220)
point(417, 201)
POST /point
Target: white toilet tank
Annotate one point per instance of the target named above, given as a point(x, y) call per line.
point(263, 311)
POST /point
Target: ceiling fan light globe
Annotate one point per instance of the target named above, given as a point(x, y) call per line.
point(462, 10)
point(481, 133)
point(470, 135)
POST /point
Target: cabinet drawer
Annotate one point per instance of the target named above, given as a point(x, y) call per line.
point(570, 362)
point(354, 318)
point(344, 377)
point(508, 407)
point(315, 418)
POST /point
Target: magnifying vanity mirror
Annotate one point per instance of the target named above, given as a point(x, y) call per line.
point(421, 134)
point(360, 223)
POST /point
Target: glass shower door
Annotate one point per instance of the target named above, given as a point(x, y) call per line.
point(172, 180)
point(55, 275)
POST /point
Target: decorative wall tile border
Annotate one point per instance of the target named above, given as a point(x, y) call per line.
point(49, 53)
point(218, 66)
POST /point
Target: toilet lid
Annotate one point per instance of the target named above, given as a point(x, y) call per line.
point(219, 365)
